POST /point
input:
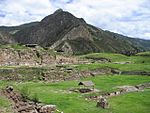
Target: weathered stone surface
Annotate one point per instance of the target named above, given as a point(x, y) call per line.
point(128, 88)
point(102, 103)
point(48, 109)
point(123, 90)
point(115, 71)
point(32, 57)
point(142, 86)
point(23, 57)
point(127, 62)
point(26, 106)
point(9, 88)
point(85, 90)
point(6, 38)
point(147, 73)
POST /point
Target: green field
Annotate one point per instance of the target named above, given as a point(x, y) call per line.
point(71, 102)
point(67, 101)
point(137, 102)
point(140, 62)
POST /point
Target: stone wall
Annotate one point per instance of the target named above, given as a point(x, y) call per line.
point(32, 57)
point(123, 90)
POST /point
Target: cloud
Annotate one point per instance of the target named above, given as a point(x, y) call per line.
point(22, 11)
point(128, 17)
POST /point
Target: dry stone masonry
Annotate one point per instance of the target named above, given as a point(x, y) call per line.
point(22, 105)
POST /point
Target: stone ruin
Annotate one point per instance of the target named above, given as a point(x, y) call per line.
point(27, 106)
point(47, 109)
point(85, 90)
point(103, 103)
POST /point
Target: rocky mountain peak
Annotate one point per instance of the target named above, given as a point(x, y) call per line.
point(58, 11)
point(63, 31)
point(62, 17)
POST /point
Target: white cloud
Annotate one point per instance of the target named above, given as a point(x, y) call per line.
point(22, 11)
point(129, 17)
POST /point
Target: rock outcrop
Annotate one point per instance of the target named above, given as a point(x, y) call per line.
point(6, 38)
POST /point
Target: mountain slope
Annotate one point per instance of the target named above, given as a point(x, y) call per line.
point(6, 38)
point(14, 29)
point(50, 29)
point(63, 31)
point(140, 43)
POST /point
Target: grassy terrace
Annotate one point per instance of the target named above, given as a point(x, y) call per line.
point(123, 67)
point(138, 62)
point(119, 57)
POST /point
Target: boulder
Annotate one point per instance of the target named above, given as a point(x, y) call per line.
point(48, 109)
point(117, 93)
point(9, 88)
point(128, 89)
point(131, 89)
point(85, 90)
point(143, 86)
point(102, 103)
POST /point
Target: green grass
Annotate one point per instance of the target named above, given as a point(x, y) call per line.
point(3, 84)
point(4, 102)
point(144, 53)
point(14, 46)
point(139, 58)
point(71, 102)
point(26, 73)
point(113, 57)
point(122, 67)
point(137, 102)
point(138, 63)
point(108, 83)
point(5, 105)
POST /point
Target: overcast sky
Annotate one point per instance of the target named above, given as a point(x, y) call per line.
point(128, 17)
